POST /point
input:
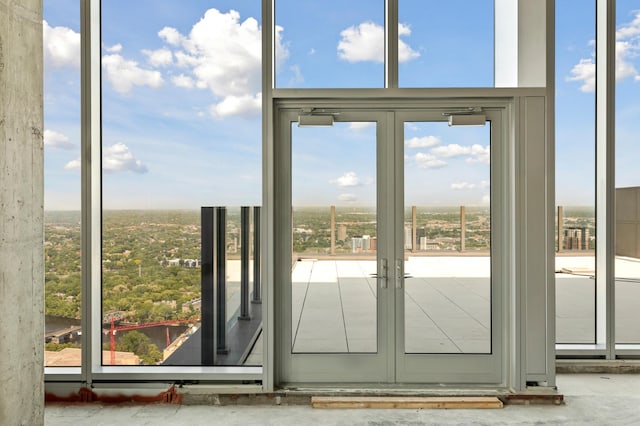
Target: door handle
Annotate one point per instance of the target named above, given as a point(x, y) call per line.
point(399, 274)
point(383, 272)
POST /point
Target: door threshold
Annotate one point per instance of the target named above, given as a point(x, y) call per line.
point(531, 395)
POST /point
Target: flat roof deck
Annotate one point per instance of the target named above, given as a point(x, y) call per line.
point(447, 305)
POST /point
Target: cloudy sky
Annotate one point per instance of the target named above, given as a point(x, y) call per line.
point(182, 94)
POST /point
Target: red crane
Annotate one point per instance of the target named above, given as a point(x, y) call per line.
point(113, 330)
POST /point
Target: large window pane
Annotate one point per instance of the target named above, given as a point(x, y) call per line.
point(446, 44)
point(181, 130)
point(575, 172)
point(61, 38)
point(329, 44)
point(627, 263)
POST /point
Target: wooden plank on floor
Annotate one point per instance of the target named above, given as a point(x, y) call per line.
point(405, 402)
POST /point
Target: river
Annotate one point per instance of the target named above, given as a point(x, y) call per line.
point(158, 335)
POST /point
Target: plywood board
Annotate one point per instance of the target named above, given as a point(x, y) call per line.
point(404, 402)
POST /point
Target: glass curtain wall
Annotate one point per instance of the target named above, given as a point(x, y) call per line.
point(329, 44)
point(181, 181)
point(627, 247)
point(575, 172)
point(61, 42)
point(446, 44)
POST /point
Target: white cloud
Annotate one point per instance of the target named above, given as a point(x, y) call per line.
point(56, 140)
point(429, 161)
point(476, 153)
point(61, 46)
point(171, 36)
point(451, 150)
point(223, 54)
point(118, 158)
point(347, 197)
point(630, 30)
point(361, 125)
point(73, 165)
point(365, 42)
point(124, 74)
point(627, 49)
point(585, 72)
point(159, 57)
point(346, 180)
point(467, 186)
point(116, 48)
point(486, 200)
point(463, 185)
point(245, 105)
point(405, 53)
point(297, 78)
point(422, 142)
point(183, 81)
point(479, 154)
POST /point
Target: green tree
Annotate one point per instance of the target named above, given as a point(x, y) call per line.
point(139, 344)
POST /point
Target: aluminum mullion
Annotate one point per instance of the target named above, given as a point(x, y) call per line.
point(391, 44)
point(605, 174)
point(268, 196)
point(91, 184)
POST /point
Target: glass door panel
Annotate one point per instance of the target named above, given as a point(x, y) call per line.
point(449, 183)
point(447, 230)
point(334, 234)
point(334, 301)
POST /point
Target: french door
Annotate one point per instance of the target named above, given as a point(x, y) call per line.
point(388, 236)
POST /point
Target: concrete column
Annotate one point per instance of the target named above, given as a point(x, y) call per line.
point(21, 214)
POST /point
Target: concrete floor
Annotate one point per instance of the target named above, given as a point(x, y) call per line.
point(589, 399)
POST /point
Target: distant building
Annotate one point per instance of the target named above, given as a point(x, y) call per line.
point(408, 237)
point(363, 244)
point(195, 303)
point(576, 238)
point(342, 232)
point(191, 263)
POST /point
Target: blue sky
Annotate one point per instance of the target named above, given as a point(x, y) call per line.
point(181, 99)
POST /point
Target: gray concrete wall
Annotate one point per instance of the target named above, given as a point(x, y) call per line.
point(628, 222)
point(21, 214)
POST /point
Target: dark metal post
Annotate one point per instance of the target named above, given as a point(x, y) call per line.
point(244, 263)
point(221, 279)
point(207, 352)
point(257, 296)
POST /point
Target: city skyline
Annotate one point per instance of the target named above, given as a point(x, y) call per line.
point(181, 111)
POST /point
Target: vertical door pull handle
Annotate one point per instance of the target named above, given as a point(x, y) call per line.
point(383, 273)
point(399, 274)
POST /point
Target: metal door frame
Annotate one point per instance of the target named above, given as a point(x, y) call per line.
point(393, 367)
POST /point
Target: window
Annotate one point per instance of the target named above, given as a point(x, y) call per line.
point(575, 173)
point(181, 130)
point(329, 44)
point(450, 46)
point(627, 255)
point(61, 39)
